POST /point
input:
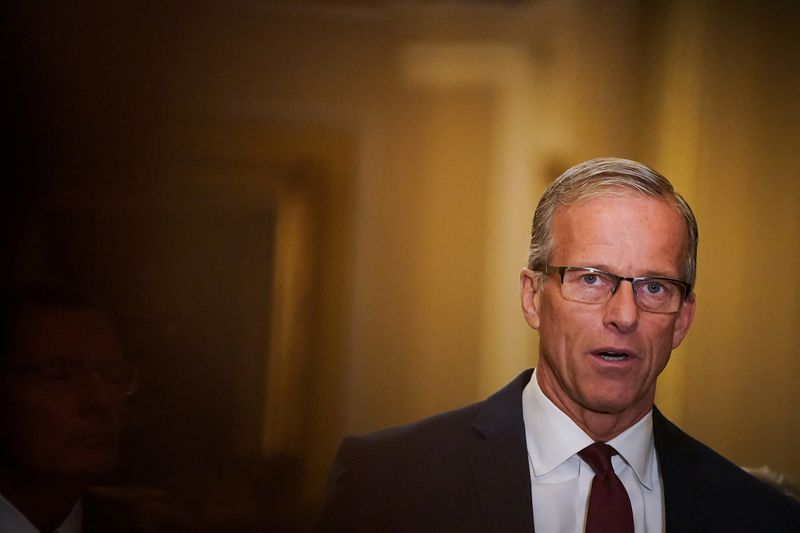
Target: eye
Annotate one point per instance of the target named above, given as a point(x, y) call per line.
point(654, 287)
point(586, 279)
point(590, 279)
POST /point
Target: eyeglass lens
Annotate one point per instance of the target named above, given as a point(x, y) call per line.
point(652, 294)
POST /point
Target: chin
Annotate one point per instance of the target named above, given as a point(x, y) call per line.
point(610, 403)
point(614, 397)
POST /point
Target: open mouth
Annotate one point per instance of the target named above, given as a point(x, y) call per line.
point(612, 357)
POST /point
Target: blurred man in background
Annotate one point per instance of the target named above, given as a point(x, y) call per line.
point(63, 392)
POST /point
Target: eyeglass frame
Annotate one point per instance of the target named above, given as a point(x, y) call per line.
point(561, 270)
point(37, 369)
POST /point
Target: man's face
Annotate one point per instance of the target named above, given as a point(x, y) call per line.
point(52, 427)
point(631, 236)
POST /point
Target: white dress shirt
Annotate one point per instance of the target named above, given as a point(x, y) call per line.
point(13, 521)
point(561, 480)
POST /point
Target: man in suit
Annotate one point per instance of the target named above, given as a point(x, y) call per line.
point(63, 389)
point(576, 444)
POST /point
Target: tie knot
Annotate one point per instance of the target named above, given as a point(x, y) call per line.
point(598, 455)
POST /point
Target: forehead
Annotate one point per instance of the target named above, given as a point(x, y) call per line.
point(42, 332)
point(630, 231)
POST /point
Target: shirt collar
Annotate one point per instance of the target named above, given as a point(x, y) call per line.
point(74, 521)
point(13, 521)
point(637, 448)
point(551, 435)
point(553, 438)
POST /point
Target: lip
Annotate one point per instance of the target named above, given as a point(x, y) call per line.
point(630, 355)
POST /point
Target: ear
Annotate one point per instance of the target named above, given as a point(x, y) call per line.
point(530, 289)
point(685, 317)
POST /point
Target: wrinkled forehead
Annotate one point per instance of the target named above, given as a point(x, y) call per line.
point(625, 220)
point(41, 333)
point(612, 198)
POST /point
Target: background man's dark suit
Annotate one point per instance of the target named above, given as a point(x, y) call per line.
point(467, 470)
point(102, 514)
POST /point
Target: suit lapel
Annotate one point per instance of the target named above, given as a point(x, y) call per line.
point(500, 461)
point(677, 456)
point(500, 465)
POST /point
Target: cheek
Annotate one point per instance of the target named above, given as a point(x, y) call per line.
point(569, 319)
point(562, 329)
point(661, 344)
point(119, 412)
point(34, 434)
point(45, 417)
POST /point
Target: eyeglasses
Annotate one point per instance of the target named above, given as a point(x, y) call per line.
point(59, 376)
point(655, 294)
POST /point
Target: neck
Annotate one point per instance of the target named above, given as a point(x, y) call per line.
point(601, 426)
point(45, 502)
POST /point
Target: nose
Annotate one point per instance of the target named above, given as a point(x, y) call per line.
point(622, 312)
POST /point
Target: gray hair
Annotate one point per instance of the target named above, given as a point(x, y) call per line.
point(606, 177)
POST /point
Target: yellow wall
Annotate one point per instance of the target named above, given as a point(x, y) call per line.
point(453, 119)
point(697, 90)
point(741, 388)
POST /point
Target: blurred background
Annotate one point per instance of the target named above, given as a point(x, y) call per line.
point(309, 216)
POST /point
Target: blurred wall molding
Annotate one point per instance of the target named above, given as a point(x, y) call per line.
point(505, 70)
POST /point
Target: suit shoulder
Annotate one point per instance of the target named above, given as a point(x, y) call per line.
point(402, 475)
point(421, 476)
point(426, 438)
point(715, 489)
point(501, 412)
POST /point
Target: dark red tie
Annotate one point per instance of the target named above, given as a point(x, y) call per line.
point(609, 504)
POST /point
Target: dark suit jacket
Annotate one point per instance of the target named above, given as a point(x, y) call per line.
point(467, 470)
point(105, 514)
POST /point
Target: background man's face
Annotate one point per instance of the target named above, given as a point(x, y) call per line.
point(51, 427)
point(630, 236)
